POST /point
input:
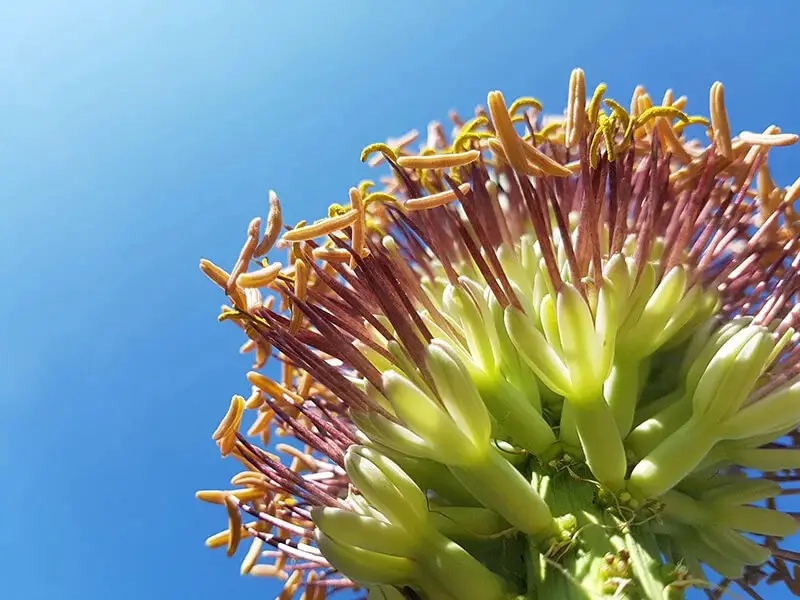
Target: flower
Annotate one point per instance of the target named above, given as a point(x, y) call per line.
point(553, 357)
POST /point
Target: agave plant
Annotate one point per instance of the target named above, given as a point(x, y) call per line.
point(551, 357)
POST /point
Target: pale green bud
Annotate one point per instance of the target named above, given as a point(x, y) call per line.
point(777, 411)
point(429, 420)
point(380, 430)
point(765, 459)
point(365, 566)
point(387, 487)
point(462, 307)
point(719, 392)
point(458, 394)
point(659, 308)
point(742, 490)
point(351, 529)
point(581, 348)
point(537, 352)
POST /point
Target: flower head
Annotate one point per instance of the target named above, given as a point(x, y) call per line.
point(551, 353)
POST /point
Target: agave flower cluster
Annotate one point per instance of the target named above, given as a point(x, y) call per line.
point(553, 357)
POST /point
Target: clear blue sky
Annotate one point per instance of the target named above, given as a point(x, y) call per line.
point(138, 136)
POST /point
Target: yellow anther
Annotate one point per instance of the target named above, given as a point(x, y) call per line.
point(359, 225)
point(719, 120)
point(680, 103)
point(543, 162)
point(259, 278)
point(792, 192)
point(322, 227)
point(523, 102)
point(384, 149)
point(551, 128)
point(669, 140)
point(439, 161)
point(618, 110)
point(274, 224)
point(253, 554)
point(661, 111)
point(220, 277)
point(576, 108)
point(301, 272)
point(218, 496)
point(608, 126)
point(766, 139)
point(365, 186)
point(645, 103)
point(594, 104)
point(509, 140)
point(461, 142)
point(637, 93)
point(255, 400)
point(380, 197)
point(230, 422)
point(594, 148)
point(261, 423)
point(336, 210)
point(234, 524)
point(473, 124)
point(679, 127)
point(434, 200)
point(337, 255)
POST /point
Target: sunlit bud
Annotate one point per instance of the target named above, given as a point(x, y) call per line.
point(387, 487)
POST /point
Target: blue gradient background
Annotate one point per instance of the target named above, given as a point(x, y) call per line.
point(136, 137)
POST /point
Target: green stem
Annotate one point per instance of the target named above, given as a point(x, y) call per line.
point(515, 414)
point(580, 572)
point(601, 441)
point(457, 571)
point(621, 391)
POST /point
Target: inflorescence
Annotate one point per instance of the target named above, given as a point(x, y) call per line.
point(551, 356)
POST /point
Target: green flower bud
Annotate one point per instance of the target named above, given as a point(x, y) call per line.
point(368, 533)
point(641, 335)
point(741, 490)
point(387, 488)
point(731, 374)
point(537, 352)
point(777, 411)
point(765, 459)
point(365, 566)
point(755, 520)
point(734, 544)
point(429, 420)
point(380, 430)
point(462, 307)
point(582, 350)
point(672, 460)
point(458, 393)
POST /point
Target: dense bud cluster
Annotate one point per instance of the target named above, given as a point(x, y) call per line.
point(555, 357)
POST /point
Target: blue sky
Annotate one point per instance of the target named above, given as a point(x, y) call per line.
point(137, 137)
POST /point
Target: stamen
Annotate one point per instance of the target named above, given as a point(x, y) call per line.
point(274, 225)
point(434, 200)
point(321, 227)
point(439, 161)
point(719, 120)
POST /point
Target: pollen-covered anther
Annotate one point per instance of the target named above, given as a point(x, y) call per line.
point(439, 161)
